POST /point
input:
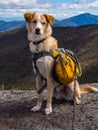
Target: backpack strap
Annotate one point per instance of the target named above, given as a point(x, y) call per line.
point(35, 57)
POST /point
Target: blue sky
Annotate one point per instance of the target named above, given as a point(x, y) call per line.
point(60, 9)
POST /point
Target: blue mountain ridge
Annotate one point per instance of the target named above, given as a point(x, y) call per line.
point(5, 26)
point(79, 20)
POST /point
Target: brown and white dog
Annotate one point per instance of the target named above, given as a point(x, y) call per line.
point(40, 31)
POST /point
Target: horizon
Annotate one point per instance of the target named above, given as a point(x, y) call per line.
point(60, 9)
point(22, 19)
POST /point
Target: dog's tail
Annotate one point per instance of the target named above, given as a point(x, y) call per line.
point(87, 89)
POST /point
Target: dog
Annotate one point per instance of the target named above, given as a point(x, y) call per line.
point(39, 34)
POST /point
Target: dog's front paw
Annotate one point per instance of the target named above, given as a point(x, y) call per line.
point(78, 102)
point(36, 108)
point(48, 111)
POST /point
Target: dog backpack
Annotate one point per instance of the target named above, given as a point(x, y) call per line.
point(66, 68)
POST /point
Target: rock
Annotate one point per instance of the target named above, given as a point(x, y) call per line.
point(15, 112)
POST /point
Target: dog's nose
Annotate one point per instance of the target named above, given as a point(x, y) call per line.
point(37, 30)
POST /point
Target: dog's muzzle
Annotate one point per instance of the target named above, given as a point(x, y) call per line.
point(37, 31)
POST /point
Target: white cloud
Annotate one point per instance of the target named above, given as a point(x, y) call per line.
point(8, 2)
point(83, 1)
point(18, 7)
point(86, 4)
point(70, 6)
point(93, 4)
point(37, 10)
point(80, 12)
point(16, 3)
point(60, 15)
point(46, 5)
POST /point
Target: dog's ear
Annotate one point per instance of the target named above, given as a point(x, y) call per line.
point(49, 18)
point(28, 17)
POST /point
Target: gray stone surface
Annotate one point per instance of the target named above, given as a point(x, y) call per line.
point(15, 112)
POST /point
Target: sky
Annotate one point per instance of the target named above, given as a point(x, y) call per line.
point(60, 9)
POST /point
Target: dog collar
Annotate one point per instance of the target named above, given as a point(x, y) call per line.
point(38, 42)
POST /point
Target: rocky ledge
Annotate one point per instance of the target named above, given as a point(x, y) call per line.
point(15, 112)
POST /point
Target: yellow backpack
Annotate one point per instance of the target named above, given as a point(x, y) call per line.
point(66, 67)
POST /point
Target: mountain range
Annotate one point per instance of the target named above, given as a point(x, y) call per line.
point(79, 20)
point(5, 26)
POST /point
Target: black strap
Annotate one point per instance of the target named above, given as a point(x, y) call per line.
point(38, 42)
point(42, 88)
point(36, 56)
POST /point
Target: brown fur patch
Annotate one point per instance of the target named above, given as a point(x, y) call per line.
point(28, 16)
point(49, 18)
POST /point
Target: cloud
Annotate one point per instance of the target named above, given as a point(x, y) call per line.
point(69, 6)
point(93, 4)
point(80, 12)
point(83, 1)
point(60, 15)
point(16, 2)
point(13, 8)
point(86, 4)
point(13, 4)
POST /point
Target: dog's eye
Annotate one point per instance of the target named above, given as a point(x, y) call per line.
point(43, 23)
point(34, 21)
